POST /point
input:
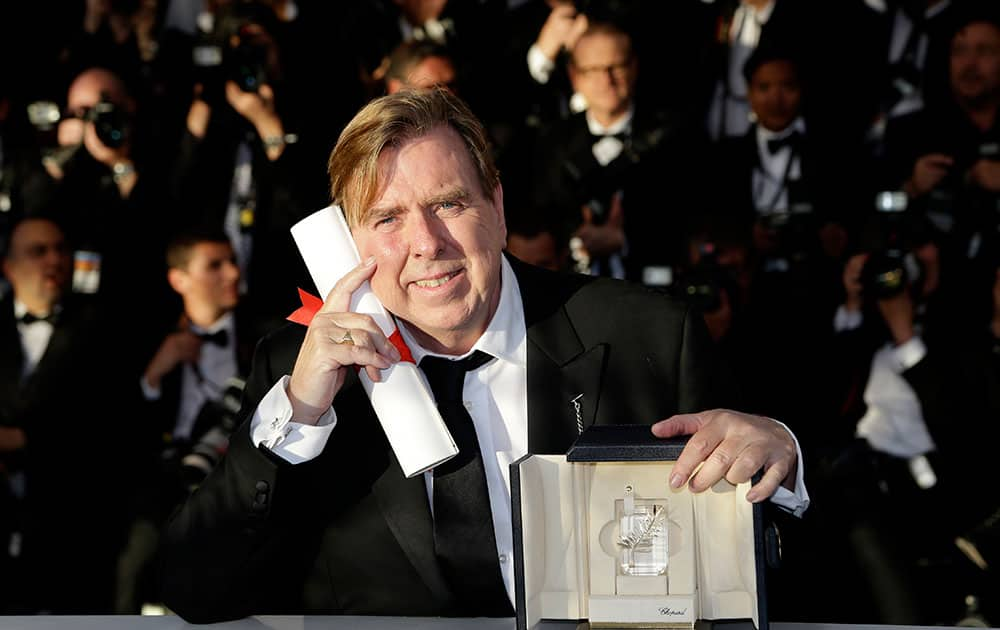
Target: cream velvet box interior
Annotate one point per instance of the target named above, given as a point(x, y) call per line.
point(599, 535)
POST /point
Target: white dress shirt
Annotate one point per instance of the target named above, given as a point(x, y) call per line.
point(495, 396)
point(770, 180)
point(216, 365)
point(34, 339)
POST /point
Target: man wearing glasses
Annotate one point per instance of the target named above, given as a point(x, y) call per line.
point(619, 174)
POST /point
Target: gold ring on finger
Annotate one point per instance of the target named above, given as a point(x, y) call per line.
point(347, 338)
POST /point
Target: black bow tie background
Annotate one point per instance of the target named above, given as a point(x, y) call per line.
point(219, 338)
point(792, 140)
point(621, 135)
point(29, 318)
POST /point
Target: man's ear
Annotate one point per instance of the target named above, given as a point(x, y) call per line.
point(177, 278)
point(498, 207)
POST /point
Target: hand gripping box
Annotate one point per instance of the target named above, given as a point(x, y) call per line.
point(599, 535)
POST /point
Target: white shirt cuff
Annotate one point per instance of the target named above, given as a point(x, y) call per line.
point(908, 354)
point(272, 426)
point(795, 502)
point(845, 320)
point(148, 391)
point(539, 66)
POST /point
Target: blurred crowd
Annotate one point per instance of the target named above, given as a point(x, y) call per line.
point(822, 180)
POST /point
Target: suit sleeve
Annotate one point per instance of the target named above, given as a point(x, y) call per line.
point(242, 542)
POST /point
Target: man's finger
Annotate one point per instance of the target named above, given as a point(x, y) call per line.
point(748, 462)
point(716, 465)
point(339, 298)
point(768, 484)
point(679, 424)
point(940, 159)
point(697, 450)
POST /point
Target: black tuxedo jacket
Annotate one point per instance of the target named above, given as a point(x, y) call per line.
point(70, 464)
point(660, 172)
point(346, 532)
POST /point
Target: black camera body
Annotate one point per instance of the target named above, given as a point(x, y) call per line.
point(215, 422)
point(111, 122)
point(233, 51)
point(890, 239)
point(703, 283)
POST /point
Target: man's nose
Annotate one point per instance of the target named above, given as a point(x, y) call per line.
point(426, 235)
point(231, 270)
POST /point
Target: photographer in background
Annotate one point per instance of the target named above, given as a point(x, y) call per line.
point(239, 168)
point(102, 180)
point(192, 387)
point(947, 157)
point(908, 477)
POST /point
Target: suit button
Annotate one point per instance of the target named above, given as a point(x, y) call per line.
point(262, 486)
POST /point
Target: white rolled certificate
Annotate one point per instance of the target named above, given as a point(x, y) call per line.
point(402, 400)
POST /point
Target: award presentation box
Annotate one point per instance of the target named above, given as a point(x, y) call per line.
point(599, 535)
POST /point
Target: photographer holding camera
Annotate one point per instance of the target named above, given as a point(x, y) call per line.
point(921, 403)
point(947, 157)
point(101, 178)
point(192, 386)
point(239, 168)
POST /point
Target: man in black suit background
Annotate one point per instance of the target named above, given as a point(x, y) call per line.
point(621, 176)
point(310, 512)
point(58, 477)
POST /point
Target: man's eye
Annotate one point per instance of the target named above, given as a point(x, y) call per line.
point(449, 207)
point(384, 221)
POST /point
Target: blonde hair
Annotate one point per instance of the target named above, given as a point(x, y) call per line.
point(388, 122)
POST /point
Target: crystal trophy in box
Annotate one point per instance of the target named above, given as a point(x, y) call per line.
point(642, 535)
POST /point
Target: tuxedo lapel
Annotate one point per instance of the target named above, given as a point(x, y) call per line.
point(562, 396)
point(11, 356)
point(564, 376)
point(58, 347)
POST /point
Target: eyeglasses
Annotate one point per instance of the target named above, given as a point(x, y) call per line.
point(616, 70)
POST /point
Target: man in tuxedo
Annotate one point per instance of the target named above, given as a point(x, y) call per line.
point(603, 172)
point(57, 365)
point(191, 388)
point(310, 512)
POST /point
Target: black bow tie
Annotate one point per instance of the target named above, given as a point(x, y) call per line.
point(621, 135)
point(29, 318)
point(219, 338)
point(777, 144)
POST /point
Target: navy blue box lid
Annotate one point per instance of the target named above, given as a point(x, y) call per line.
point(624, 443)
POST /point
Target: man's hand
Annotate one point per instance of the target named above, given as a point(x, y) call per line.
point(178, 347)
point(897, 311)
point(607, 238)
point(337, 339)
point(853, 288)
point(731, 445)
point(258, 108)
point(986, 174)
point(561, 30)
point(928, 171)
point(12, 439)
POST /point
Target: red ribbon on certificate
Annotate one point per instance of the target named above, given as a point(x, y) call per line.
point(311, 305)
